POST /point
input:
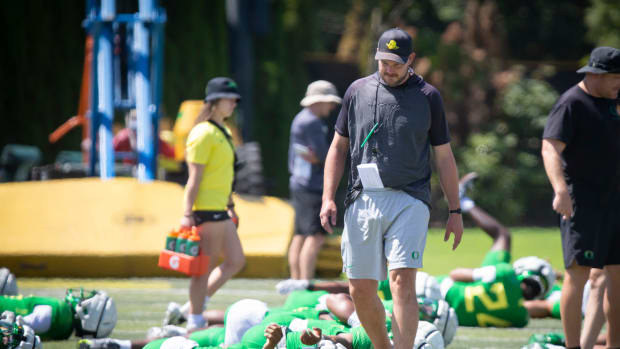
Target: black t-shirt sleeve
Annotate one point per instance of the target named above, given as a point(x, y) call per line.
point(342, 123)
point(560, 123)
point(438, 133)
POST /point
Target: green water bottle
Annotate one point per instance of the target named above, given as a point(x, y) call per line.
point(193, 243)
point(171, 239)
point(181, 242)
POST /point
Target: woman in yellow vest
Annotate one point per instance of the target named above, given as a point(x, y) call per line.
point(207, 202)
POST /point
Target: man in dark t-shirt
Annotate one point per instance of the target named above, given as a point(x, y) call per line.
point(581, 152)
point(387, 125)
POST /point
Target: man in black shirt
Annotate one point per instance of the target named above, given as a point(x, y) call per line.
point(581, 153)
point(388, 123)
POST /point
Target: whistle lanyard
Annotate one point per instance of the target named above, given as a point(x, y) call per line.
point(372, 130)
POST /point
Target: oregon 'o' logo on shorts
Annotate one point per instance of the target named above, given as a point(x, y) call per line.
point(588, 254)
point(415, 255)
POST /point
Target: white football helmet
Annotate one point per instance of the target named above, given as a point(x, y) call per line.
point(429, 334)
point(426, 286)
point(8, 284)
point(179, 343)
point(97, 315)
point(446, 322)
point(537, 270)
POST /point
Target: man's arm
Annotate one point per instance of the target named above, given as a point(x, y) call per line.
point(334, 167)
point(448, 177)
point(462, 275)
point(551, 153)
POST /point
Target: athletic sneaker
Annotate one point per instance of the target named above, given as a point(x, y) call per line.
point(174, 315)
point(290, 285)
point(103, 343)
point(165, 332)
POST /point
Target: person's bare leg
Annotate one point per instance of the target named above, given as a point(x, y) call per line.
point(234, 259)
point(612, 305)
point(309, 253)
point(595, 315)
point(211, 242)
point(214, 317)
point(499, 233)
point(570, 304)
point(294, 252)
point(405, 314)
point(341, 306)
point(369, 307)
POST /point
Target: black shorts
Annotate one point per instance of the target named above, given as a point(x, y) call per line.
point(307, 207)
point(209, 216)
point(592, 236)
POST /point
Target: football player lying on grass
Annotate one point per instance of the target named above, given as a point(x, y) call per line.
point(240, 316)
point(89, 314)
point(497, 293)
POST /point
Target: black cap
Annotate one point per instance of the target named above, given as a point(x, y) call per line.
point(221, 88)
point(395, 45)
point(603, 60)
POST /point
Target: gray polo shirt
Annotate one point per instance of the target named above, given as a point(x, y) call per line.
point(410, 119)
point(307, 130)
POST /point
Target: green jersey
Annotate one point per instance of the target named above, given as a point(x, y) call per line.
point(62, 315)
point(210, 337)
point(284, 316)
point(303, 298)
point(495, 300)
point(255, 336)
point(384, 290)
point(554, 296)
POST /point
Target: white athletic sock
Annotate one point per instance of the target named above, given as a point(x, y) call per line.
point(353, 320)
point(195, 321)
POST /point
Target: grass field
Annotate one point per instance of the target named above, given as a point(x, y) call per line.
point(141, 302)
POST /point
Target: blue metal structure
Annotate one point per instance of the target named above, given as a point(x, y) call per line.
point(123, 78)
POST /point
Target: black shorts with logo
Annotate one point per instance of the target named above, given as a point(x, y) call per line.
point(307, 205)
point(209, 216)
point(592, 236)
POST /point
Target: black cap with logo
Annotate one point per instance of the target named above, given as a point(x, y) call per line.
point(394, 45)
point(221, 88)
point(602, 60)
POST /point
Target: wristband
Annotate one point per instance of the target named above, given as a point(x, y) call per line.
point(457, 211)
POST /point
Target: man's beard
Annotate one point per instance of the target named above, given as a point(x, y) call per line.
point(399, 80)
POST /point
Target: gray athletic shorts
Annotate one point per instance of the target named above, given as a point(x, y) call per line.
point(383, 228)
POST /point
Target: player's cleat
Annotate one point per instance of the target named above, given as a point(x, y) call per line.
point(103, 343)
point(290, 285)
point(174, 315)
point(165, 332)
point(548, 338)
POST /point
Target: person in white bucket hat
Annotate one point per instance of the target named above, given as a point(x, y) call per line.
point(309, 142)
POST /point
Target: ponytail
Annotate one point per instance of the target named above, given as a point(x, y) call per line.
point(206, 112)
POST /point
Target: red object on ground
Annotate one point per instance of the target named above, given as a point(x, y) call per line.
point(188, 265)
